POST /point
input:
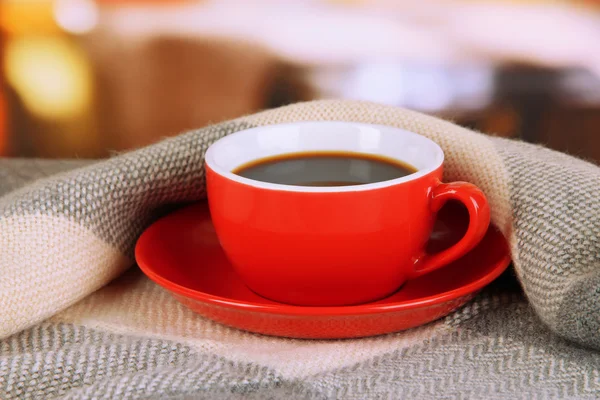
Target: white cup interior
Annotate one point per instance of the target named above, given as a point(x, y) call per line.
point(240, 148)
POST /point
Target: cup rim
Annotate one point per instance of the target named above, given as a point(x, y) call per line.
point(210, 162)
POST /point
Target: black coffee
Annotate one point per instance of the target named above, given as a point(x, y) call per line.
point(324, 169)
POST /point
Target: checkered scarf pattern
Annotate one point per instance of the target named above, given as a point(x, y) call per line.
point(79, 321)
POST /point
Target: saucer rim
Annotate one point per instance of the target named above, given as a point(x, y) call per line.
point(330, 311)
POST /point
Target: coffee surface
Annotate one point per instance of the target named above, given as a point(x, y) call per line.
point(324, 169)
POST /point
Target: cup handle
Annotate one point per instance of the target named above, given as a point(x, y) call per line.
point(479, 219)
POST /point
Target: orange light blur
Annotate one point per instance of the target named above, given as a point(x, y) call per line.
point(23, 17)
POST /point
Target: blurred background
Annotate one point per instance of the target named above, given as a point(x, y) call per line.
point(88, 78)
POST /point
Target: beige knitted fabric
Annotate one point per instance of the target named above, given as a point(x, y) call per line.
point(64, 235)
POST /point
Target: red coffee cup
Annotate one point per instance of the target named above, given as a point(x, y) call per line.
point(340, 245)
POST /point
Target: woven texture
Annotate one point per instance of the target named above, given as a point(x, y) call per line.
point(69, 329)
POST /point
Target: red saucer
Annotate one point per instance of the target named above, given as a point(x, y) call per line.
point(181, 253)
